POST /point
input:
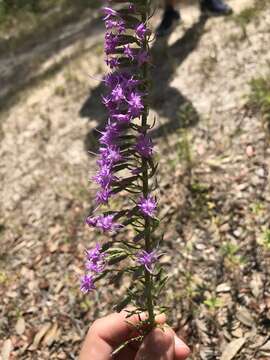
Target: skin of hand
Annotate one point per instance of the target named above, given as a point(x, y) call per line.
point(108, 333)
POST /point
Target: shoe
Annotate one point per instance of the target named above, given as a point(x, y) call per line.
point(215, 7)
point(169, 21)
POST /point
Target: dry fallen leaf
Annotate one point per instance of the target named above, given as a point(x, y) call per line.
point(266, 346)
point(224, 287)
point(245, 317)
point(232, 349)
point(20, 326)
point(256, 285)
point(40, 334)
point(6, 350)
point(51, 335)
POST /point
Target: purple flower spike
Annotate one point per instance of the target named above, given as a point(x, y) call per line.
point(147, 259)
point(144, 146)
point(87, 283)
point(125, 153)
point(147, 205)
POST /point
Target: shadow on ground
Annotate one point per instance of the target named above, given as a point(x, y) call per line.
point(22, 66)
point(167, 101)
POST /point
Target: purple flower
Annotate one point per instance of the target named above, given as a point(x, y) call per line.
point(103, 196)
point(118, 93)
point(147, 259)
point(106, 223)
point(87, 283)
point(103, 222)
point(94, 254)
point(142, 57)
point(110, 24)
point(109, 103)
point(96, 268)
point(141, 31)
point(91, 221)
point(110, 155)
point(122, 117)
point(110, 135)
point(95, 260)
point(128, 51)
point(136, 171)
point(111, 42)
point(111, 79)
point(135, 104)
point(104, 176)
point(119, 25)
point(144, 146)
point(112, 62)
point(109, 12)
point(130, 83)
point(147, 205)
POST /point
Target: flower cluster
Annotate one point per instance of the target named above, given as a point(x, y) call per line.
point(147, 259)
point(125, 159)
point(104, 223)
point(147, 205)
point(95, 264)
point(125, 99)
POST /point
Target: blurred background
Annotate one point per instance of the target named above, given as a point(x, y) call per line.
point(211, 97)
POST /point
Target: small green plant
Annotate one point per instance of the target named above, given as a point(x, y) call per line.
point(265, 238)
point(257, 208)
point(3, 277)
point(60, 90)
point(184, 148)
point(230, 252)
point(187, 115)
point(200, 204)
point(259, 99)
point(248, 15)
point(213, 303)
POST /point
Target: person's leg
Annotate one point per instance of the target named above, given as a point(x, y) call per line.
point(215, 7)
point(170, 18)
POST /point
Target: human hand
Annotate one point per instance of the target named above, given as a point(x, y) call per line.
point(106, 334)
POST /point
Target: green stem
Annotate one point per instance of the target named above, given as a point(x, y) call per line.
point(145, 181)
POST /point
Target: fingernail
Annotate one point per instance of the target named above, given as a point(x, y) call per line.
point(180, 343)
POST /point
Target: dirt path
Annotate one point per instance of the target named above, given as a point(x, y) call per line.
point(214, 149)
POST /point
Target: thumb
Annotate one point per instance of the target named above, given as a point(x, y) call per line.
point(158, 345)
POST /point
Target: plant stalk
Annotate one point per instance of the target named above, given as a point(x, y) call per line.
point(145, 181)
